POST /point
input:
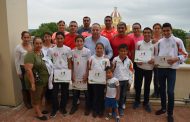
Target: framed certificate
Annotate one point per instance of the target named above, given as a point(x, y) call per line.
point(97, 77)
point(62, 75)
point(161, 61)
point(142, 55)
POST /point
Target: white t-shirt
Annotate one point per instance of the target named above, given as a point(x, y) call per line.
point(20, 52)
point(80, 59)
point(111, 87)
point(60, 56)
point(123, 69)
point(98, 63)
point(45, 50)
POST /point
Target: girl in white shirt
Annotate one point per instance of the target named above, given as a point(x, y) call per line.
point(98, 62)
point(20, 51)
point(80, 57)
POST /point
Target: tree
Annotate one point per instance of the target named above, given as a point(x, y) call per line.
point(45, 27)
point(180, 34)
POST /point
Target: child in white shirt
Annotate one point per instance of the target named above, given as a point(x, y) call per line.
point(112, 94)
point(144, 70)
point(80, 57)
point(98, 62)
point(61, 58)
point(123, 71)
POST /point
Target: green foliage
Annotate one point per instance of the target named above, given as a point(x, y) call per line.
point(45, 27)
point(180, 34)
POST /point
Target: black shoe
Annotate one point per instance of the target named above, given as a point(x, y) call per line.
point(136, 105)
point(53, 114)
point(161, 111)
point(73, 110)
point(42, 118)
point(170, 118)
point(87, 112)
point(64, 112)
point(45, 112)
point(147, 108)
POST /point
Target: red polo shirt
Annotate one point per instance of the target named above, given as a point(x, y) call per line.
point(123, 39)
point(109, 33)
point(70, 40)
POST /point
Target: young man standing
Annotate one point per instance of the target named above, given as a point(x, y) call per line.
point(171, 46)
point(109, 32)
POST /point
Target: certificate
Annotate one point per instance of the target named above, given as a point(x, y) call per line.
point(142, 56)
point(97, 77)
point(62, 75)
point(161, 61)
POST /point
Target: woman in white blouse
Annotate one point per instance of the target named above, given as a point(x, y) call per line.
point(20, 52)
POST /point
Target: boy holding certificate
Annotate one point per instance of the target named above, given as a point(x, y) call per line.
point(80, 57)
point(173, 50)
point(144, 69)
point(123, 71)
point(61, 58)
point(97, 65)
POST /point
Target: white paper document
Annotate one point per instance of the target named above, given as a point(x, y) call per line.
point(161, 61)
point(62, 75)
point(97, 77)
point(142, 55)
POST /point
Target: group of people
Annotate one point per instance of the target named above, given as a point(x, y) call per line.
point(108, 51)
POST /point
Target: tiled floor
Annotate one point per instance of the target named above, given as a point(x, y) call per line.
point(21, 114)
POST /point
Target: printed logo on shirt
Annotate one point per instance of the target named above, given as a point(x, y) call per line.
point(111, 85)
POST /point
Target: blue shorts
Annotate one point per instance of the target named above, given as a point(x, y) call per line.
point(111, 103)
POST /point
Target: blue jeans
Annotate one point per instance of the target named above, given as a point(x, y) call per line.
point(167, 75)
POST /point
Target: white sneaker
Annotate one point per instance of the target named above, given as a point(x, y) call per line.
point(78, 102)
point(123, 106)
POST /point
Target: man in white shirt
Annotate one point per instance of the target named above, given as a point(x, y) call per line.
point(171, 46)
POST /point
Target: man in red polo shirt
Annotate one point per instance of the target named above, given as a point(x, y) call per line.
point(109, 31)
point(70, 37)
point(122, 38)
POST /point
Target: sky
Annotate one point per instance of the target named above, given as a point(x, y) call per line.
point(146, 12)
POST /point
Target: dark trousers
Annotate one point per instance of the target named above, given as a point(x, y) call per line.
point(167, 75)
point(98, 98)
point(123, 93)
point(90, 97)
point(64, 96)
point(139, 75)
point(156, 82)
point(76, 95)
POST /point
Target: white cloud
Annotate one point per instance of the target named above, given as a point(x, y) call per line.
point(144, 11)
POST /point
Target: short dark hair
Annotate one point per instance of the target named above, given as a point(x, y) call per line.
point(156, 25)
point(79, 36)
point(167, 25)
point(60, 33)
point(24, 32)
point(147, 28)
point(47, 33)
point(61, 21)
point(35, 38)
point(136, 23)
point(86, 17)
point(107, 17)
point(123, 46)
point(108, 68)
point(122, 24)
point(99, 43)
point(73, 22)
